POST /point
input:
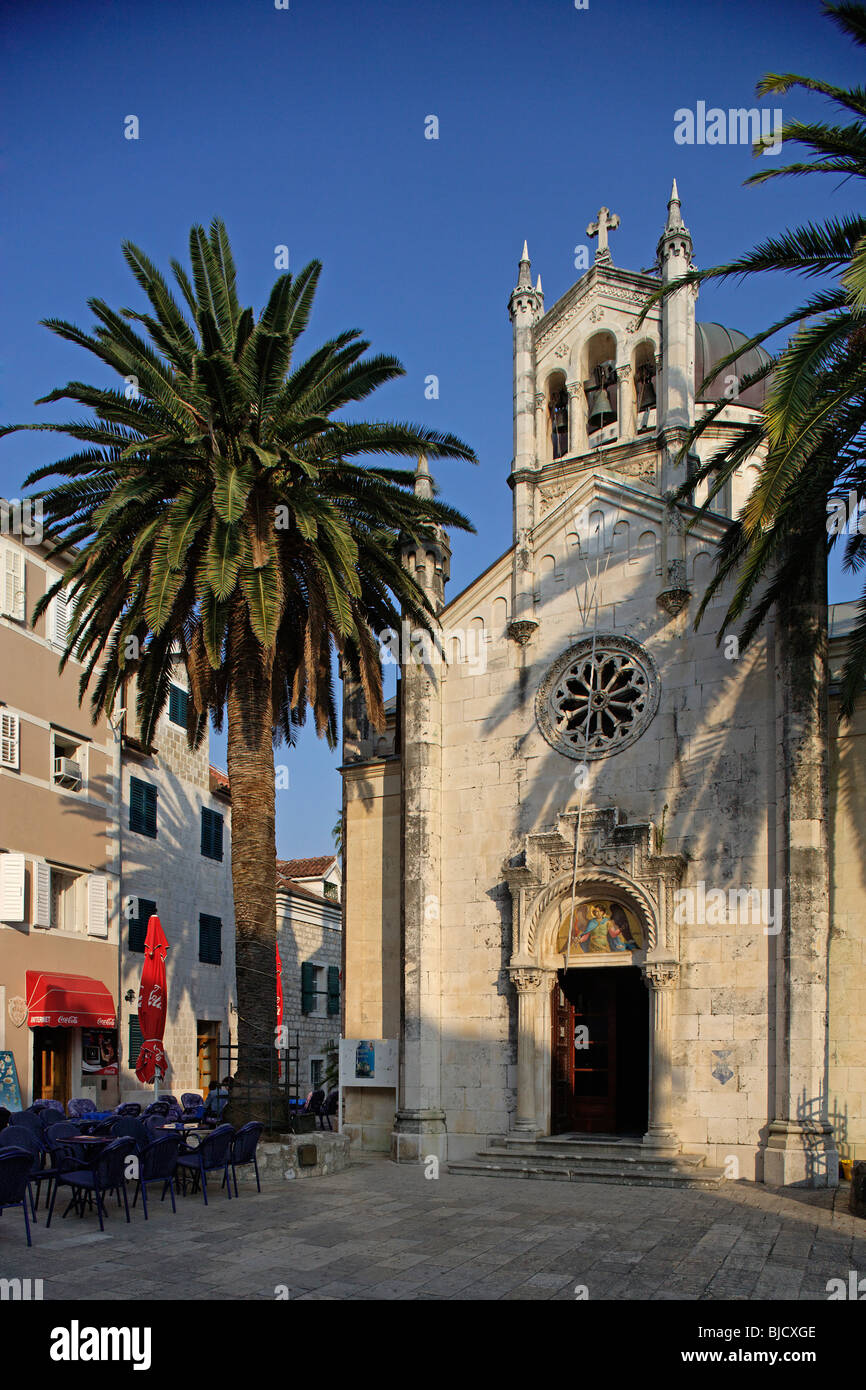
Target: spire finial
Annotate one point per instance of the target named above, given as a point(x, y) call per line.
point(538, 288)
point(524, 277)
point(675, 219)
point(423, 480)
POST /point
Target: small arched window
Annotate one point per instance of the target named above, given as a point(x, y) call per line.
point(557, 408)
point(601, 384)
point(645, 385)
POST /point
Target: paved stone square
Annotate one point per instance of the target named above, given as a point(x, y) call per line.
point(378, 1231)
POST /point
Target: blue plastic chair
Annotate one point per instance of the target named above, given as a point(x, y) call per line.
point(108, 1174)
point(20, 1137)
point(157, 1163)
point(79, 1107)
point(212, 1153)
point(243, 1150)
point(15, 1182)
point(128, 1127)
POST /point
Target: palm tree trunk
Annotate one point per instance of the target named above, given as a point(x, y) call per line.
point(251, 779)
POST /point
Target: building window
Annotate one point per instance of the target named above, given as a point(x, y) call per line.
point(12, 593)
point(58, 620)
point(142, 807)
point(208, 1044)
point(64, 901)
point(332, 892)
point(9, 739)
point(136, 1039)
point(317, 1072)
point(209, 939)
point(146, 908)
point(68, 762)
point(177, 705)
point(320, 989)
point(211, 834)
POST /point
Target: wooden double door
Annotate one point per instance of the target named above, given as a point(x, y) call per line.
point(600, 1056)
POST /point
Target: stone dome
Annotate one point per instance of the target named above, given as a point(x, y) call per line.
point(713, 342)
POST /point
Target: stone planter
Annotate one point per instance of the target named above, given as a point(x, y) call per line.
point(313, 1155)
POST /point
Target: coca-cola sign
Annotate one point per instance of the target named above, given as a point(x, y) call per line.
point(67, 1020)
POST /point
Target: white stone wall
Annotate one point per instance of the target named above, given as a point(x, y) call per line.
point(172, 871)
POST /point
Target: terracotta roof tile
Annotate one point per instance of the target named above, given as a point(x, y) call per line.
point(305, 868)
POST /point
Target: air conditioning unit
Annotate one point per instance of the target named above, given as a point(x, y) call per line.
point(67, 773)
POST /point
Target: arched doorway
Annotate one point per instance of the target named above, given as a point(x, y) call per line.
point(600, 1051)
point(600, 1017)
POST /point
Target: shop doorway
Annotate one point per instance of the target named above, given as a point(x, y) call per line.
point(51, 1064)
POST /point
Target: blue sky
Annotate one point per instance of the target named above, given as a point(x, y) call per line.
point(305, 127)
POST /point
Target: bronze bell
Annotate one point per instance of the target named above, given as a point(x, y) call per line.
point(601, 410)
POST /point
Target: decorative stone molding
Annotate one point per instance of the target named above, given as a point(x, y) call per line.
point(527, 980)
point(609, 289)
point(562, 350)
point(662, 974)
point(612, 854)
point(609, 679)
point(521, 630)
point(676, 595)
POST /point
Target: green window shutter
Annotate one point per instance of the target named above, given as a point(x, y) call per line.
point(135, 1041)
point(177, 705)
point(138, 925)
point(333, 989)
point(142, 807)
point(211, 834)
point(308, 988)
point(209, 939)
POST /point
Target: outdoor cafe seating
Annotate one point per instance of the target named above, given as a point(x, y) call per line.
point(108, 1174)
point(89, 1155)
point(15, 1165)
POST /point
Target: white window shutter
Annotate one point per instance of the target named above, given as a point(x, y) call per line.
point(42, 894)
point(97, 905)
point(9, 739)
point(11, 887)
point(13, 582)
point(58, 620)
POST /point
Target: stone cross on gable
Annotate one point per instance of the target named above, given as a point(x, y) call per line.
point(606, 221)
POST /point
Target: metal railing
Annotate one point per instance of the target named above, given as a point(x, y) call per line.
point(270, 1090)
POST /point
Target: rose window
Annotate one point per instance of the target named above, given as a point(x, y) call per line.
point(598, 697)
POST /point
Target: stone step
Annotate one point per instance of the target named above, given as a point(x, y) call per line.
point(605, 1146)
point(685, 1170)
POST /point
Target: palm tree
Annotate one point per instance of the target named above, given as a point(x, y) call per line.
point(219, 515)
point(813, 428)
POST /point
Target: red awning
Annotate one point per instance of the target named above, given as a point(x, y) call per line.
point(68, 1001)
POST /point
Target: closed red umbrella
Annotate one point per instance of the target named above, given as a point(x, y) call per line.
point(279, 991)
point(152, 1004)
point(279, 1011)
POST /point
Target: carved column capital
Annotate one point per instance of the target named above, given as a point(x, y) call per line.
point(661, 974)
point(527, 981)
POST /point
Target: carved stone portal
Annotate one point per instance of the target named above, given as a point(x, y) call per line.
point(611, 857)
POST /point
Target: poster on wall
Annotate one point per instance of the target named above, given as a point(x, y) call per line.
point(99, 1051)
point(368, 1062)
point(10, 1091)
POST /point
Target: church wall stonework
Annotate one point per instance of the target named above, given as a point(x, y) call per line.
point(693, 819)
point(847, 1070)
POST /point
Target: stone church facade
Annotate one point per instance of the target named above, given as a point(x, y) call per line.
point(612, 931)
